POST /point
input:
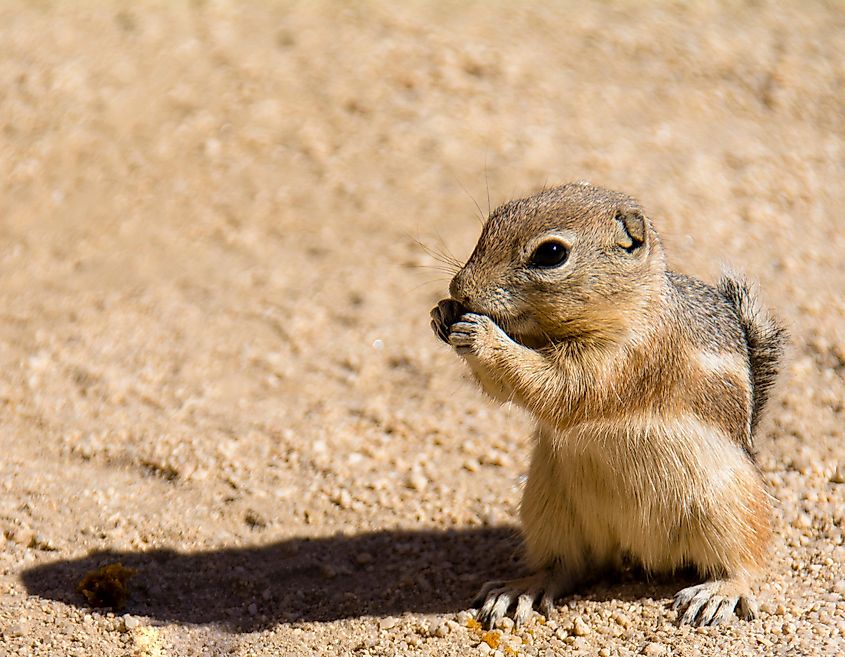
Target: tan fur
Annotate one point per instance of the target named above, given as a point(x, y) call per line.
point(641, 385)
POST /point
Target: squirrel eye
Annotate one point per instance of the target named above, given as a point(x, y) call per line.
point(550, 254)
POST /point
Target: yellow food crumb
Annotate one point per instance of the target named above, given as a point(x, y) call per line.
point(492, 639)
point(473, 624)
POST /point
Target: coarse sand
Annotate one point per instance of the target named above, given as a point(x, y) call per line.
point(216, 366)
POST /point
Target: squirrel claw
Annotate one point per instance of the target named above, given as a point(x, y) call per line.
point(713, 603)
point(526, 593)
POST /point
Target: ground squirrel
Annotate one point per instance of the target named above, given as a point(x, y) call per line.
point(646, 385)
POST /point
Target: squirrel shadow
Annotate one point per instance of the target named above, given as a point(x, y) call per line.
point(316, 579)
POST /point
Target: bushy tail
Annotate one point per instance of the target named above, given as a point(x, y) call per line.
point(765, 337)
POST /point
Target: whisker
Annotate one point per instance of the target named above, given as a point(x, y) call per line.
point(440, 268)
point(450, 262)
point(439, 281)
point(487, 184)
point(446, 250)
point(472, 198)
point(441, 256)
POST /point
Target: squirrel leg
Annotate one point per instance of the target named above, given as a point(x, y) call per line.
point(554, 545)
point(509, 371)
point(732, 548)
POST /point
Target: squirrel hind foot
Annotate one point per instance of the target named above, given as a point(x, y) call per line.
point(714, 603)
point(526, 593)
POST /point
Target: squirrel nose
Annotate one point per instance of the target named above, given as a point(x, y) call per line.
point(456, 289)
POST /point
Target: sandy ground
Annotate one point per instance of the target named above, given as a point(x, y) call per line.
point(215, 359)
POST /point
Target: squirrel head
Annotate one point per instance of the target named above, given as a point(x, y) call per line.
point(571, 262)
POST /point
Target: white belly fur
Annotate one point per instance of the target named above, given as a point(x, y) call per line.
point(667, 492)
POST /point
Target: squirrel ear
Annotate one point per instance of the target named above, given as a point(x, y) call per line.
point(632, 229)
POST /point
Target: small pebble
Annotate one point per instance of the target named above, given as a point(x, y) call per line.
point(441, 630)
point(387, 623)
point(497, 458)
point(343, 499)
point(621, 619)
point(41, 542)
point(462, 617)
point(654, 649)
point(15, 630)
point(579, 627)
point(838, 476)
point(417, 481)
point(505, 624)
point(511, 644)
point(804, 521)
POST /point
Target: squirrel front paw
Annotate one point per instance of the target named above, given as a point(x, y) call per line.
point(474, 334)
point(443, 315)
